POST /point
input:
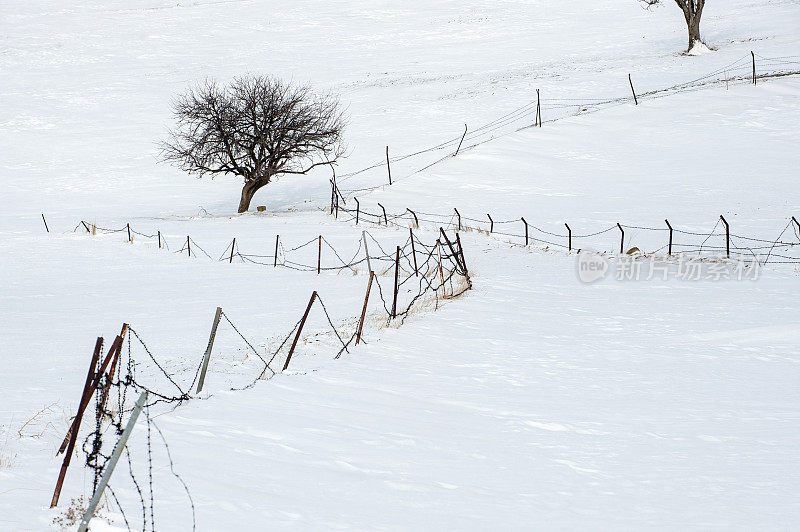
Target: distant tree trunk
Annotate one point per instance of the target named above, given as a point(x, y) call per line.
point(248, 191)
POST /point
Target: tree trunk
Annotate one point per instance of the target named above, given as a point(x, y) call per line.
point(248, 191)
point(693, 24)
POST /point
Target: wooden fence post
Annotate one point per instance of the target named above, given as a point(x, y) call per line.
point(45, 223)
point(300, 329)
point(388, 166)
point(275, 259)
point(669, 248)
point(364, 309)
point(452, 250)
point(413, 252)
point(396, 278)
point(233, 246)
point(635, 99)
point(209, 347)
point(727, 236)
point(319, 256)
point(461, 251)
point(112, 463)
point(366, 249)
point(621, 239)
point(462, 140)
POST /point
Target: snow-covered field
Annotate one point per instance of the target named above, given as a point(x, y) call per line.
point(532, 401)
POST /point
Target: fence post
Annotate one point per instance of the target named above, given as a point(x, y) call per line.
point(796, 223)
point(275, 260)
point(319, 256)
point(441, 271)
point(113, 368)
point(188, 245)
point(754, 66)
point(462, 140)
point(569, 236)
point(396, 278)
point(526, 230)
point(491, 224)
point(233, 246)
point(366, 249)
point(459, 218)
point(452, 250)
point(413, 252)
point(621, 239)
point(159, 240)
point(538, 109)
point(300, 329)
point(364, 309)
point(86, 227)
point(388, 166)
point(45, 223)
point(358, 208)
point(416, 221)
point(635, 99)
point(333, 193)
point(385, 219)
point(727, 237)
point(210, 346)
point(129, 232)
point(669, 251)
point(461, 251)
point(112, 462)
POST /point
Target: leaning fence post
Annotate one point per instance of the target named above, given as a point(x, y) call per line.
point(300, 329)
point(796, 223)
point(526, 230)
point(491, 224)
point(754, 66)
point(459, 218)
point(635, 99)
point(210, 345)
point(112, 462)
point(385, 219)
point(366, 249)
point(45, 223)
point(461, 251)
point(669, 251)
point(275, 259)
point(441, 271)
point(456, 258)
point(462, 140)
point(388, 167)
point(396, 278)
point(86, 227)
point(416, 221)
point(621, 239)
point(233, 246)
point(364, 309)
point(129, 232)
point(727, 237)
point(113, 368)
point(413, 252)
point(569, 237)
point(358, 209)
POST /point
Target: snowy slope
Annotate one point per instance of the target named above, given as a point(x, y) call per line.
point(534, 400)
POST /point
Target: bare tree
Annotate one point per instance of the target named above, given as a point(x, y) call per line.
point(692, 12)
point(255, 128)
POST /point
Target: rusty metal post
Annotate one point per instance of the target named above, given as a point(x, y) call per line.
point(452, 250)
point(319, 256)
point(413, 252)
point(113, 368)
point(461, 251)
point(233, 246)
point(89, 378)
point(416, 221)
point(459, 218)
point(462, 140)
point(275, 259)
point(300, 329)
point(45, 223)
point(669, 250)
point(526, 230)
point(385, 219)
point(364, 309)
point(727, 237)
point(396, 278)
point(388, 166)
point(621, 239)
point(491, 224)
point(569, 237)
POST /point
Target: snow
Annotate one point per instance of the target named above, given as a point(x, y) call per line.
point(532, 401)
